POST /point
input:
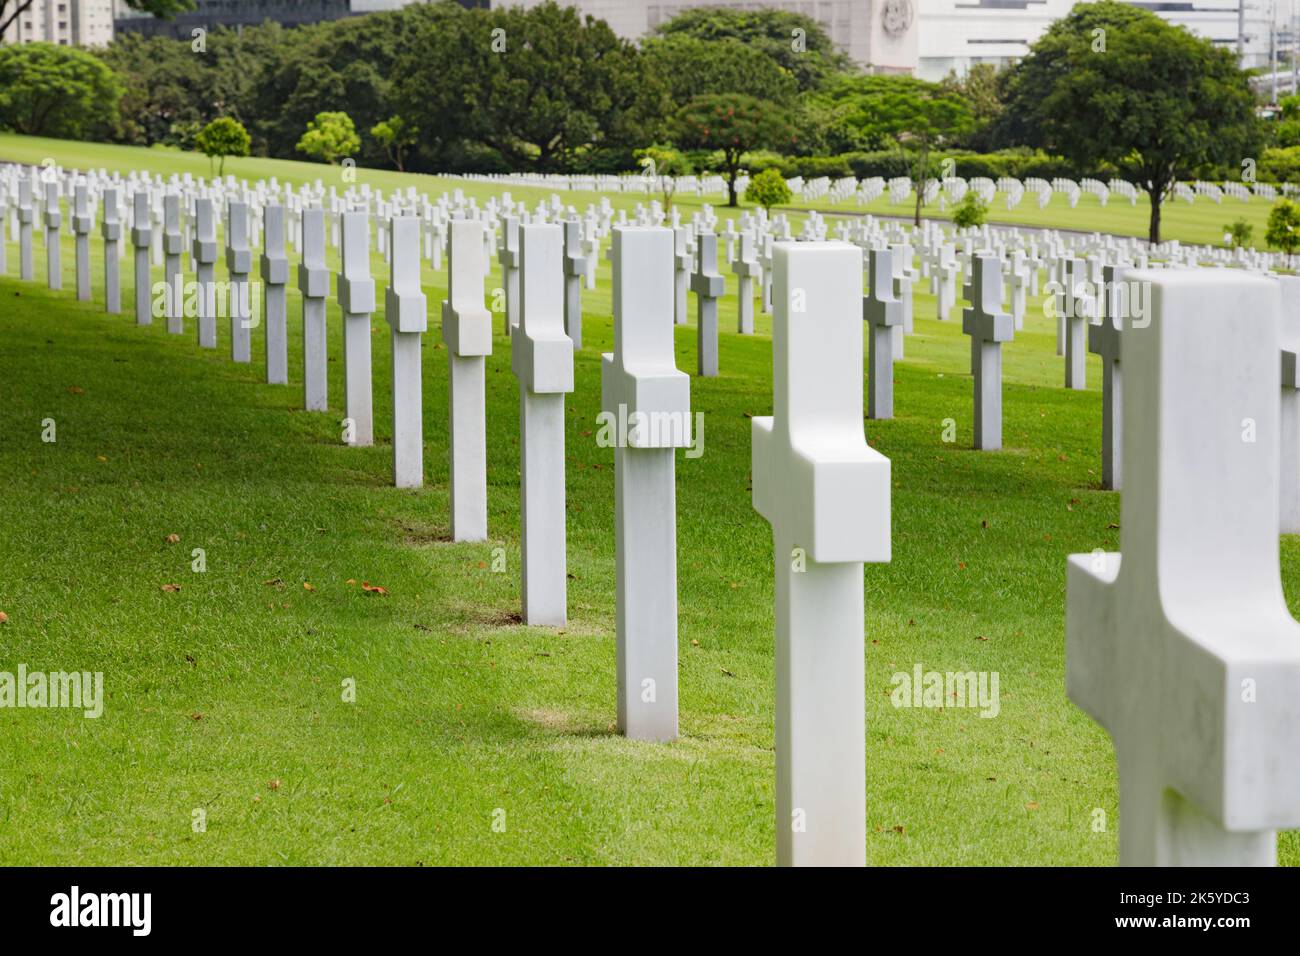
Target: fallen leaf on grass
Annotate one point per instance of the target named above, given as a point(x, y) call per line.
point(274, 583)
point(76, 390)
point(1031, 805)
point(173, 538)
point(273, 784)
point(307, 587)
point(374, 589)
point(170, 588)
point(4, 618)
point(100, 458)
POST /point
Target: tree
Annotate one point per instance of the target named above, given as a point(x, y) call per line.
point(221, 138)
point(11, 9)
point(914, 116)
point(663, 164)
point(1238, 233)
point(396, 136)
point(1111, 83)
point(543, 88)
point(686, 67)
point(768, 189)
point(733, 124)
point(798, 44)
point(50, 90)
point(971, 211)
point(1284, 226)
point(980, 87)
point(330, 137)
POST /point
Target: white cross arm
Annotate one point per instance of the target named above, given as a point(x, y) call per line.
point(313, 277)
point(541, 353)
point(274, 261)
point(356, 288)
point(812, 468)
point(239, 255)
point(641, 375)
point(466, 322)
point(405, 305)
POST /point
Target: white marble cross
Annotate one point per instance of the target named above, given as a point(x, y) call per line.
point(648, 400)
point(239, 262)
point(746, 269)
point(988, 327)
point(541, 355)
point(110, 228)
point(25, 217)
point(142, 239)
point(356, 294)
point(406, 311)
point(508, 256)
point(82, 223)
point(1104, 340)
point(1182, 647)
point(1079, 297)
point(314, 284)
point(708, 285)
point(826, 494)
point(173, 245)
point(681, 273)
point(205, 257)
point(1289, 450)
point(575, 267)
point(53, 220)
point(883, 312)
point(274, 268)
point(467, 330)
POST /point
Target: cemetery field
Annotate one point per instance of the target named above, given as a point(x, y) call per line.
point(1201, 222)
point(235, 571)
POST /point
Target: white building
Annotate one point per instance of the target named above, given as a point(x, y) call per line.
point(66, 22)
point(956, 34)
point(932, 37)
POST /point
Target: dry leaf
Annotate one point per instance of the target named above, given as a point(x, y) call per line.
point(273, 583)
point(1031, 805)
point(352, 581)
point(173, 538)
point(76, 390)
point(100, 458)
point(170, 588)
point(4, 618)
point(374, 589)
point(273, 784)
point(307, 587)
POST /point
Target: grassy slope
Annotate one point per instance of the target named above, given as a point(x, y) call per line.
point(226, 694)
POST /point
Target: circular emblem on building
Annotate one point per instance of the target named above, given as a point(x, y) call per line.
point(896, 17)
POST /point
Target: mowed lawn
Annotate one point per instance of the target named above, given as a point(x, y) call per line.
point(227, 695)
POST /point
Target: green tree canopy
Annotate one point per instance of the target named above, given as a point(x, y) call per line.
point(686, 67)
point(1111, 83)
point(331, 136)
point(732, 124)
point(221, 138)
point(796, 42)
point(50, 90)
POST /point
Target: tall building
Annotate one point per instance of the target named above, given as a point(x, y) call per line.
point(208, 14)
point(66, 22)
point(932, 37)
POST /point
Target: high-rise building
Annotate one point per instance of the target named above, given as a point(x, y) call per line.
point(66, 22)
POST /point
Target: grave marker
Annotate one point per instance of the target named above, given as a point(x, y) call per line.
point(708, 285)
point(274, 268)
point(826, 494)
point(575, 267)
point(111, 229)
point(988, 327)
point(883, 312)
point(173, 246)
point(541, 355)
point(1182, 647)
point(142, 239)
point(204, 251)
point(1104, 340)
point(640, 385)
point(406, 310)
point(239, 262)
point(508, 256)
point(356, 292)
point(314, 284)
point(82, 223)
point(467, 330)
point(53, 220)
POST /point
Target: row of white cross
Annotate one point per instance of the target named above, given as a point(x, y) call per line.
point(1184, 651)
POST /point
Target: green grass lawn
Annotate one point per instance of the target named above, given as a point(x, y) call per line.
point(226, 695)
